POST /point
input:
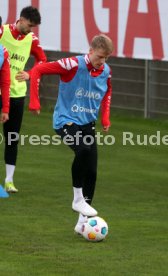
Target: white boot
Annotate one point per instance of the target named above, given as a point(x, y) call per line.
point(84, 208)
point(78, 228)
point(80, 205)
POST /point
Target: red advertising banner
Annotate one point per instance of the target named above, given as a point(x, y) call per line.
point(138, 28)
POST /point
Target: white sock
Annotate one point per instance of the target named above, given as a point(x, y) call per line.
point(82, 219)
point(78, 194)
point(10, 169)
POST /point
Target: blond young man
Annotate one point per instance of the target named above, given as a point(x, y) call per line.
point(85, 85)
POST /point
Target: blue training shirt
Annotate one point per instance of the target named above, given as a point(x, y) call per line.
point(79, 100)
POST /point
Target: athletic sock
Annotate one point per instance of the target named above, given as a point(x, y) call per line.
point(78, 194)
point(10, 169)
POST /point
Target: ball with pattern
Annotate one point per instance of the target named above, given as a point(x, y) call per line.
point(95, 229)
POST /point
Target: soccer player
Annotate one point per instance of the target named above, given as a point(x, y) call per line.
point(20, 43)
point(4, 83)
point(85, 84)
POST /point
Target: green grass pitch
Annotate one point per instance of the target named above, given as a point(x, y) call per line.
point(36, 225)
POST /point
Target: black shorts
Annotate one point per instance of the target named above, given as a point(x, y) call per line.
point(78, 137)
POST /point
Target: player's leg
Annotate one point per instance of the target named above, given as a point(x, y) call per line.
point(13, 125)
point(78, 173)
point(90, 175)
point(78, 168)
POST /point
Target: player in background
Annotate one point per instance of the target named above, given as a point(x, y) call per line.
point(85, 85)
point(20, 43)
point(4, 83)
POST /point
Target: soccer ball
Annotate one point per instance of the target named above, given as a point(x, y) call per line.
point(95, 229)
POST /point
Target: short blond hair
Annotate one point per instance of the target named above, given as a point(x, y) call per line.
point(104, 42)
